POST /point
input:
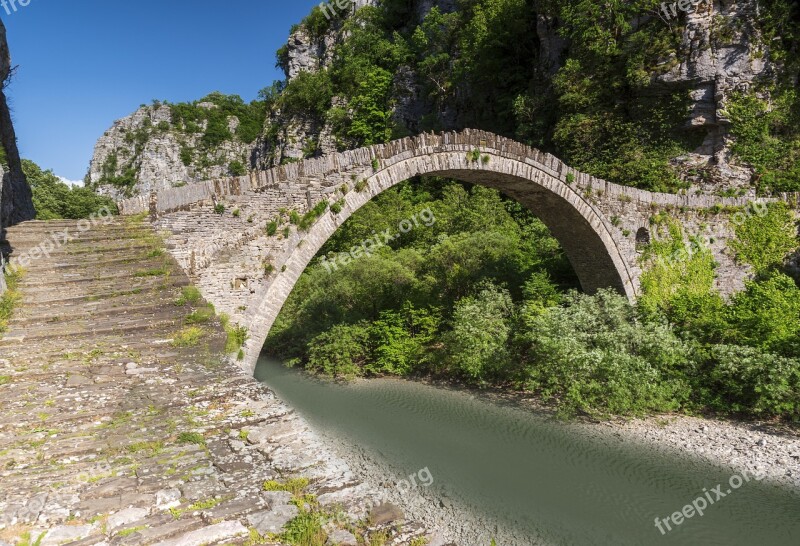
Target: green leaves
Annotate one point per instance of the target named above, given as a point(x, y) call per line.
point(764, 240)
point(595, 355)
point(477, 345)
point(767, 137)
point(54, 200)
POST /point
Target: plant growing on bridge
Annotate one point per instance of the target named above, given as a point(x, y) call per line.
point(337, 207)
point(236, 337)
point(311, 216)
point(11, 297)
point(189, 294)
point(764, 240)
point(219, 208)
point(188, 337)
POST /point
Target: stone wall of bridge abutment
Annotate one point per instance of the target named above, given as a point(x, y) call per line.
point(596, 222)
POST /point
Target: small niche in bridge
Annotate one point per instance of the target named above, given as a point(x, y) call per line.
point(642, 239)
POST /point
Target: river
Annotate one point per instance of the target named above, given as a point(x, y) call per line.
point(535, 479)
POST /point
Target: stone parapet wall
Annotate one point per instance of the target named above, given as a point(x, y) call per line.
point(320, 169)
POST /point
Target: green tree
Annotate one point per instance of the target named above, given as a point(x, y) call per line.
point(478, 345)
point(55, 200)
point(596, 355)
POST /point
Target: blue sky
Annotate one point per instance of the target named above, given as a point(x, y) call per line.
point(85, 63)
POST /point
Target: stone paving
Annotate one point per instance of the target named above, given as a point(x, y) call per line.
point(122, 423)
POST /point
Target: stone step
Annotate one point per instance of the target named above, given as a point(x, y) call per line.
point(60, 262)
point(84, 311)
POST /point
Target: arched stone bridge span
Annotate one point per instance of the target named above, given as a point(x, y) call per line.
point(248, 273)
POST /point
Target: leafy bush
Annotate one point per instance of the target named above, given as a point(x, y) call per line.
point(477, 346)
point(767, 137)
point(341, 351)
point(188, 337)
point(308, 95)
point(596, 355)
point(750, 380)
point(237, 168)
point(55, 200)
point(764, 240)
point(189, 117)
point(766, 315)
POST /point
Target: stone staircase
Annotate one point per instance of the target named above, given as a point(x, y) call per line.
point(113, 433)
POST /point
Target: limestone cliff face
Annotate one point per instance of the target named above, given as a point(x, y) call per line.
point(16, 204)
point(721, 53)
point(147, 152)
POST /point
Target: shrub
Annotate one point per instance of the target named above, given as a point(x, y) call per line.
point(308, 95)
point(311, 216)
point(596, 355)
point(478, 344)
point(749, 380)
point(54, 200)
point(187, 155)
point(340, 351)
point(272, 228)
point(237, 168)
point(191, 438)
point(188, 337)
point(237, 336)
point(189, 294)
point(219, 208)
point(764, 240)
point(200, 316)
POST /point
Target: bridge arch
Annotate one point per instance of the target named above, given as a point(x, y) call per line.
point(588, 239)
point(603, 227)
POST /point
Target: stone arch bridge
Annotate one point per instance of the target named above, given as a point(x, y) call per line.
point(248, 273)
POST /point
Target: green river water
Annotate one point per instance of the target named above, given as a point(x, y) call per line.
point(540, 479)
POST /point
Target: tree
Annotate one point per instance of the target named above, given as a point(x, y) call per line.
point(477, 346)
point(54, 200)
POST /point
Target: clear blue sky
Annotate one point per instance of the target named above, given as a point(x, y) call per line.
point(85, 63)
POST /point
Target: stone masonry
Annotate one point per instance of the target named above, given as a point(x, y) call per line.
point(217, 230)
point(113, 431)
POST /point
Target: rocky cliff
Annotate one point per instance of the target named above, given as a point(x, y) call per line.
point(163, 145)
point(16, 203)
